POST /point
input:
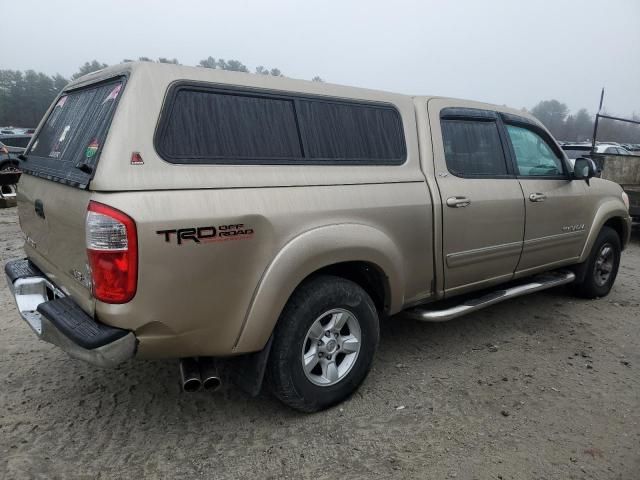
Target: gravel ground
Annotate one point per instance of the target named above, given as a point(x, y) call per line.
point(542, 387)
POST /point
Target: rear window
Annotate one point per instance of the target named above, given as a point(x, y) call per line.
point(20, 142)
point(473, 148)
point(205, 125)
point(575, 153)
point(68, 145)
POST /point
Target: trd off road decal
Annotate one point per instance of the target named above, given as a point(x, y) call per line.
point(221, 233)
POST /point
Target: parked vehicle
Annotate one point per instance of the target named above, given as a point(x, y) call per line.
point(16, 141)
point(9, 156)
point(17, 131)
point(192, 213)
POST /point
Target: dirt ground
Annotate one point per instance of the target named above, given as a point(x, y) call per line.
point(542, 387)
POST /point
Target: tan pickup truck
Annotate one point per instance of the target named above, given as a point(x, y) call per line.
point(197, 214)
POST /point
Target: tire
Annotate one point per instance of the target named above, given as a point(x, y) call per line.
point(605, 255)
point(7, 189)
point(325, 303)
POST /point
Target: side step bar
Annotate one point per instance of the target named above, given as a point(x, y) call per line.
point(537, 283)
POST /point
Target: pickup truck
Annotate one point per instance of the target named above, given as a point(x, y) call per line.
point(196, 214)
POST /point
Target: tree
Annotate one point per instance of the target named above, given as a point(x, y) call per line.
point(583, 125)
point(89, 67)
point(173, 61)
point(232, 65)
point(552, 114)
point(24, 97)
point(208, 62)
point(317, 79)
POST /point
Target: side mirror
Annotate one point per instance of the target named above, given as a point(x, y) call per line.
point(584, 169)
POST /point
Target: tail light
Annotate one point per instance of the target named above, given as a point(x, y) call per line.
point(112, 248)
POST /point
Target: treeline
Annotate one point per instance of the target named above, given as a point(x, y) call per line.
point(25, 96)
point(578, 127)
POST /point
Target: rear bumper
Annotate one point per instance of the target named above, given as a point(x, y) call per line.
point(57, 319)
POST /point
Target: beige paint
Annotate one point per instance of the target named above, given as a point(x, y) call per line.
point(224, 298)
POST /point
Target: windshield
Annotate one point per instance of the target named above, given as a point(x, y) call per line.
point(68, 145)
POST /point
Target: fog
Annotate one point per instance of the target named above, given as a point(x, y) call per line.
point(505, 52)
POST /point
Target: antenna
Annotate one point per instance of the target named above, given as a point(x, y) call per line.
point(595, 123)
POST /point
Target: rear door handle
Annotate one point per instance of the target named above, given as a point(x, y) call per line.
point(458, 202)
point(537, 197)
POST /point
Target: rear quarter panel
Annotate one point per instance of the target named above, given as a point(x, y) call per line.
point(195, 298)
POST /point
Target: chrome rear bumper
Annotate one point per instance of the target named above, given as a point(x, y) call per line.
point(57, 319)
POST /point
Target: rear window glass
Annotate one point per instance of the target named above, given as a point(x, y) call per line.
point(202, 125)
point(20, 142)
point(69, 143)
point(473, 148)
point(575, 153)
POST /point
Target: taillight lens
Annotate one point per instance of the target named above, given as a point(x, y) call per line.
point(112, 248)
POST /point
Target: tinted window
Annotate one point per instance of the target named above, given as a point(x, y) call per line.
point(21, 142)
point(73, 134)
point(473, 148)
point(343, 131)
point(534, 156)
point(209, 125)
point(575, 153)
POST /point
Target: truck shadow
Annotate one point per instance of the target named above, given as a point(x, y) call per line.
point(151, 389)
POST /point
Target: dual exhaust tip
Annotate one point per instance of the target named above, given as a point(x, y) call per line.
point(199, 373)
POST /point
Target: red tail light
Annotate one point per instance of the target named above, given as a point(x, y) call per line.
point(112, 248)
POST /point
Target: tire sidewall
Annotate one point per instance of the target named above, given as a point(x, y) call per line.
point(606, 236)
point(321, 295)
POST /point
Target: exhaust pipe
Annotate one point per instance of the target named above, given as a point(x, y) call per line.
point(190, 375)
point(209, 374)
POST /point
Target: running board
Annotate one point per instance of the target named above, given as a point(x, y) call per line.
point(537, 283)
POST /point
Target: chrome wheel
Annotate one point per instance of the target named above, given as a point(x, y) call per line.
point(331, 347)
point(604, 264)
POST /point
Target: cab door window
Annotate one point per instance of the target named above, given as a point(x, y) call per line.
point(533, 155)
point(473, 148)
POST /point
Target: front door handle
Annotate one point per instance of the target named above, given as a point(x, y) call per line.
point(458, 202)
point(537, 197)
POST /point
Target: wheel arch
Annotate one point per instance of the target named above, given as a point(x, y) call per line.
point(360, 253)
point(611, 214)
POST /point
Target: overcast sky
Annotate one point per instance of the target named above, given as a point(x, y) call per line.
point(501, 51)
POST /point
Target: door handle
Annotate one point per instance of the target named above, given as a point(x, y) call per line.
point(39, 208)
point(458, 202)
point(537, 197)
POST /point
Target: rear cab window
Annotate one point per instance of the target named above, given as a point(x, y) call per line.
point(68, 145)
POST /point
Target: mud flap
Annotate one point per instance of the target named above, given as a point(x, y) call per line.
point(247, 371)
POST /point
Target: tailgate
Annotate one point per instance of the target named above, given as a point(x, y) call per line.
point(55, 236)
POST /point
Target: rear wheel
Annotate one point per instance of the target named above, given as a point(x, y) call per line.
point(324, 343)
point(602, 266)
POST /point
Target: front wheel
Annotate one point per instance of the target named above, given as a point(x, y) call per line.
point(602, 266)
point(323, 344)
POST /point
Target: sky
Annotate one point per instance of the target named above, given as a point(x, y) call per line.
point(505, 52)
